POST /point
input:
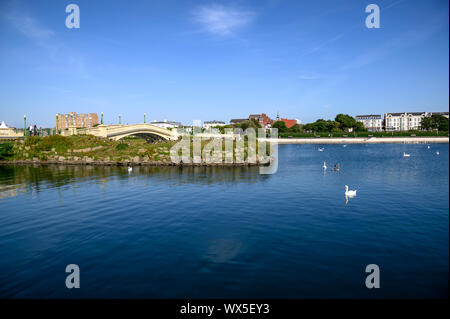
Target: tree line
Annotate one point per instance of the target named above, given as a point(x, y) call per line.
point(341, 123)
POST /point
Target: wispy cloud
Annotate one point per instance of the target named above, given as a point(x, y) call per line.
point(400, 42)
point(323, 44)
point(28, 26)
point(62, 58)
point(222, 20)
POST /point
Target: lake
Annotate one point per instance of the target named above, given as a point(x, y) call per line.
point(230, 232)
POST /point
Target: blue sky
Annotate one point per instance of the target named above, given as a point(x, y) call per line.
point(187, 60)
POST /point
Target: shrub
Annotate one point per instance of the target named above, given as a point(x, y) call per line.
point(32, 140)
point(122, 146)
point(6, 150)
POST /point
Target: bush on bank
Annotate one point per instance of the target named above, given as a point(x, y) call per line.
point(6, 150)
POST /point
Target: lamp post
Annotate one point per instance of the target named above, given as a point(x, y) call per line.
point(144, 118)
point(120, 119)
point(24, 125)
point(102, 119)
point(57, 124)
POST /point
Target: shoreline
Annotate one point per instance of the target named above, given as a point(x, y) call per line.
point(125, 163)
point(361, 140)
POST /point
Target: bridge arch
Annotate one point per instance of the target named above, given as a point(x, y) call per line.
point(149, 137)
point(116, 132)
point(146, 131)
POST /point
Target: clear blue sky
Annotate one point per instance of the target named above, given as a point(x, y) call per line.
point(187, 60)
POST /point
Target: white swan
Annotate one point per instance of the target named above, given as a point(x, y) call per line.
point(345, 145)
point(428, 146)
point(130, 169)
point(324, 165)
point(437, 153)
point(349, 193)
point(406, 155)
point(320, 149)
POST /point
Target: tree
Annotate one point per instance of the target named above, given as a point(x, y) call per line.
point(441, 121)
point(281, 126)
point(360, 127)
point(246, 124)
point(295, 128)
point(333, 126)
point(346, 122)
point(435, 122)
point(427, 123)
point(256, 122)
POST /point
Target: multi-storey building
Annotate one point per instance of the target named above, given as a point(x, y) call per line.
point(408, 120)
point(373, 122)
point(209, 124)
point(63, 121)
point(404, 121)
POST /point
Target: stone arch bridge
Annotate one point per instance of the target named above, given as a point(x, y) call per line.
point(116, 132)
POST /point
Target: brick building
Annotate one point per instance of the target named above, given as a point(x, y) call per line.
point(263, 119)
point(63, 121)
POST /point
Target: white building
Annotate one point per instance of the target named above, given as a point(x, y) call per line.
point(166, 124)
point(6, 131)
point(372, 123)
point(209, 124)
point(404, 121)
point(407, 121)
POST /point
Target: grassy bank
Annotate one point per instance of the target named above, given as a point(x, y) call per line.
point(91, 149)
point(83, 148)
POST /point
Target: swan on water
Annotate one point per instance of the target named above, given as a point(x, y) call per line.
point(320, 149)
point(437, 153)
point(428, 146)
point(324, 165)
point(349, 193)
point(406, 155)
point(130, 169)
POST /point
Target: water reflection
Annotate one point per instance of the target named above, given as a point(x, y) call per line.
point(16, 179)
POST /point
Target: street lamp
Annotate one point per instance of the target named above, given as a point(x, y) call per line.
point(24, 125)
point(144, 117)
point(120, 119)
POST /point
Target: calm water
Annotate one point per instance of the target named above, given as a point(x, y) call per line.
point(216, 232)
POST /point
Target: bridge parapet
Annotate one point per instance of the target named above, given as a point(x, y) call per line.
point(119, 131)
